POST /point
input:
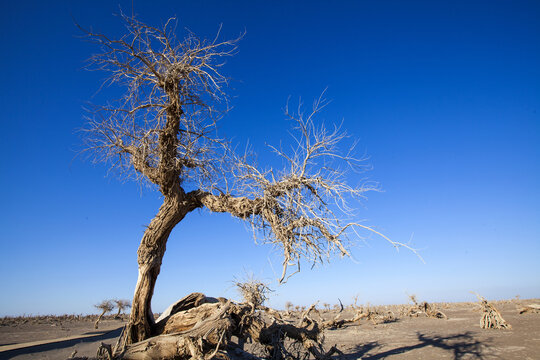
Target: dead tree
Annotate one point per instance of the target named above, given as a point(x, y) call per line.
point(162, 131)
point(204, 330)
point(121, 305)
point(289, 307)
point(424, 308)
point(105, 306)
point(491, 317)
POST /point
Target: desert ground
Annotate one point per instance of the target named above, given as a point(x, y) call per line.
point(403, 337)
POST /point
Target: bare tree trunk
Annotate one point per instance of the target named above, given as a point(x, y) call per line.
point(150, 255)
point(99, 319)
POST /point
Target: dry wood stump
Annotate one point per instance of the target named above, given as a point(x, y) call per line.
point(200, 327)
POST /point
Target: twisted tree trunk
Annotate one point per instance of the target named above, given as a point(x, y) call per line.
point(150, 255)
point(174, 208)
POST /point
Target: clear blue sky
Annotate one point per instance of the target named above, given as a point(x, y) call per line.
point(443, 95)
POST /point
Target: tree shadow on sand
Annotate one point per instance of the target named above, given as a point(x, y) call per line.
point(460, 345)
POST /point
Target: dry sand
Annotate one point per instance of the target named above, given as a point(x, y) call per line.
point(459, 337)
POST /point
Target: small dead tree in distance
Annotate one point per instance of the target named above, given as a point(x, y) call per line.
point(105, 306)
point(121, 304)
point(162, 131)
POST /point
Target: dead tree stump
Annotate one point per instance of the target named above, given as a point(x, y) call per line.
point(206, 329)
point(491, 317)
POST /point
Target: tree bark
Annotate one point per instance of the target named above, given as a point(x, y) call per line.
point(99, 319)
point(150, 255)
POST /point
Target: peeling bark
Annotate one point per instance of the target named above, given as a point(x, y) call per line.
point(205, 331)
point(150, 256)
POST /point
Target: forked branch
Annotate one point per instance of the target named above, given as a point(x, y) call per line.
point(304, 210)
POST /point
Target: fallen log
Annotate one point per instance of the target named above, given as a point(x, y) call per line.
point(186, 303)
point(205, 331)
point(424, 308)
point(185, 320)
point(533, 308)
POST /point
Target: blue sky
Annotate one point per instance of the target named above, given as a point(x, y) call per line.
point(443, 96)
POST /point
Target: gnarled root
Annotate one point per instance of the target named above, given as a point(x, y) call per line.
point(375, 317)
point(424, 308)
point(205, 332)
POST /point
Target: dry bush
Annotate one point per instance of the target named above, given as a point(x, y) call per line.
point(445, 305)
point(49, 319)
point(424, 308)
point(375, 315)
point(253, 291)
point(403, 310)
point(491, 317)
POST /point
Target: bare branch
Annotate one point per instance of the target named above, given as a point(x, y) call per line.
point(163, 129)
point(304, 209)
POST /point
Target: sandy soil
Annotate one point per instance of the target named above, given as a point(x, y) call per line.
point(55, 338)
point(459, 337)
